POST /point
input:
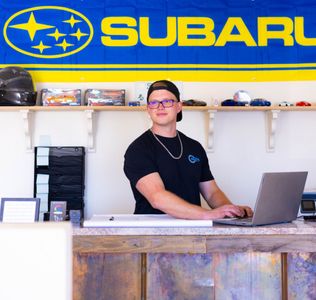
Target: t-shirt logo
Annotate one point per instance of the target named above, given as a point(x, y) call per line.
point(193, 159)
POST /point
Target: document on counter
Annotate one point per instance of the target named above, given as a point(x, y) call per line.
point(128, 220)
point(19, 210)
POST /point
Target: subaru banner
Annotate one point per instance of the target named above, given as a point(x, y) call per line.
point(188, 40)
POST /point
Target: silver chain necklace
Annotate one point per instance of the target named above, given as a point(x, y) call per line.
point(160, 142)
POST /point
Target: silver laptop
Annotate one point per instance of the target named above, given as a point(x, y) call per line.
point(278, 200)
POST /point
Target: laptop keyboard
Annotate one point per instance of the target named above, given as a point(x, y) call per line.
point(246, 219)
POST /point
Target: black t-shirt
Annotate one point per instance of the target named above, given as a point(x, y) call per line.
point(180, 176)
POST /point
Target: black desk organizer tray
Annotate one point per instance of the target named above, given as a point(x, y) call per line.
point(65, 167)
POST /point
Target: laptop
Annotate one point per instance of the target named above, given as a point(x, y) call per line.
point(278, 200)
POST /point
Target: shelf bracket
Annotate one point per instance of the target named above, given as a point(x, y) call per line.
point(26, 118)
point(210, 135)
point(272, 117)
point(90, 130)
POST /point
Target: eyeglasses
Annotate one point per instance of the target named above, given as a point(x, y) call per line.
point(166, 103)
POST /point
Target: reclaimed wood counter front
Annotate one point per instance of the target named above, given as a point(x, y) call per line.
point(220, 262)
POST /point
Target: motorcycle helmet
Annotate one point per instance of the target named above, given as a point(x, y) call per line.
point(16, 87)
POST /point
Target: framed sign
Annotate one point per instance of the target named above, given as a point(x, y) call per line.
point(19, 210)
point(58, 211)
point(308, 206)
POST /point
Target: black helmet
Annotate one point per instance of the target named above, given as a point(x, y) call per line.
point(16, 87)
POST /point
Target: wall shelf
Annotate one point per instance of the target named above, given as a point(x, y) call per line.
point(143, 108)
point(272, 115)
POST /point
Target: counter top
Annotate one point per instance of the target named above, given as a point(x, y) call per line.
point(298, 227)
point(298, 236)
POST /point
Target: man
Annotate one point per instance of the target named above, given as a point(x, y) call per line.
point(168, 170)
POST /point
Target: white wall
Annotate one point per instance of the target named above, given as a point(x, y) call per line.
point(239, 159)
point(36, 261)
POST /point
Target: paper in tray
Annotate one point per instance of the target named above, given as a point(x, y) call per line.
point(128, 220)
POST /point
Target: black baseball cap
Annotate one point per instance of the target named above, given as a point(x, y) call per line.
point(169, 86)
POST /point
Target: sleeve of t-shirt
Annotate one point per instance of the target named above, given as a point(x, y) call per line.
point(138, 163)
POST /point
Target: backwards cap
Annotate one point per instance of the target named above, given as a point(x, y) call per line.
point(166, 85)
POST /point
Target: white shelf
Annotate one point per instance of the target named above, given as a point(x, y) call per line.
point(272, 116)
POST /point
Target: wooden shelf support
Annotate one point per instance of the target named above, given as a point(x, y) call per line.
point(272, 117)
point(90, 129)
point(210, 136)
point(26, 118)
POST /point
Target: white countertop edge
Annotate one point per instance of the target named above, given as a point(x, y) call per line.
point(298, 227)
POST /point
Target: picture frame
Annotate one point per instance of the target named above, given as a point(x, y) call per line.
point(57, 211)
point(19, 210)
point(308, 206)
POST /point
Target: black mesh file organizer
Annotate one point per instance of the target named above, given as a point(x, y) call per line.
point(59, 176)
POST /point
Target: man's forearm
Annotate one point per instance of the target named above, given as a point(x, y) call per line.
point(175, 206)
point(218, 199)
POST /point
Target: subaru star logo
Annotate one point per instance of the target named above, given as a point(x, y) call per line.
point(48, 31)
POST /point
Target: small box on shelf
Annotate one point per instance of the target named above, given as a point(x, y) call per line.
point(104, 97)
point(61, 97)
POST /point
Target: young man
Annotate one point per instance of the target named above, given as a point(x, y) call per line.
point(168, 171)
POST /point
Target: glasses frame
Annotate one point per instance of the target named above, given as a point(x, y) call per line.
point(162, 102)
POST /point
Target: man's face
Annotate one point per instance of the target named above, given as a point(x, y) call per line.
point(163, 115)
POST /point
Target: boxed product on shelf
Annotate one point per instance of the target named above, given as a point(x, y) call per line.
point(61, 97)
point(134, 103)
point(102, 97)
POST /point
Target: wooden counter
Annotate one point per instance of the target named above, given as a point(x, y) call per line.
point(220, 262)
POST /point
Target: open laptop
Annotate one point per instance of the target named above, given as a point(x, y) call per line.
point(278, 200)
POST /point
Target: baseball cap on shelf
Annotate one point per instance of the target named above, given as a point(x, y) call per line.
point(242, 95)
point(169, 86)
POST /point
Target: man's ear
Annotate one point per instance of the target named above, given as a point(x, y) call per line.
point(179, 104)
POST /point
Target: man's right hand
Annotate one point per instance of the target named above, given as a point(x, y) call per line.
point(227, 210)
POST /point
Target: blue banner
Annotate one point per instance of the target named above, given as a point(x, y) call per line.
point(191, 40)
